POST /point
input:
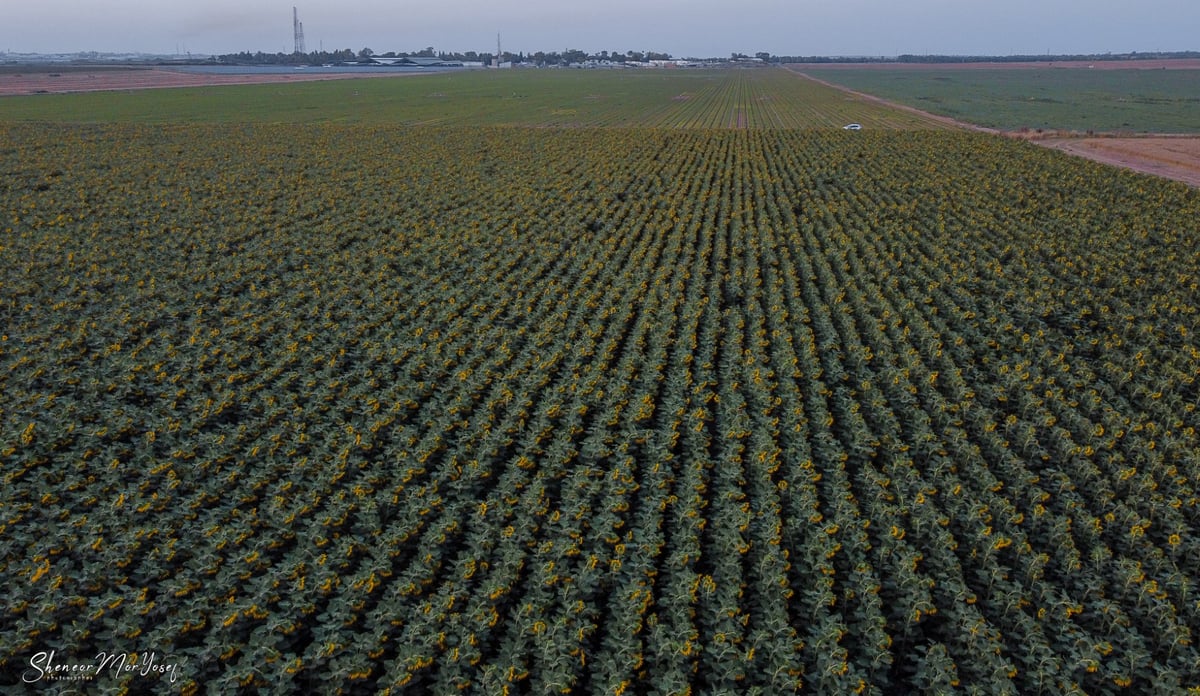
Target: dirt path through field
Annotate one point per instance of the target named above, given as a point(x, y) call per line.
point(1174, 157)
point(895, 105)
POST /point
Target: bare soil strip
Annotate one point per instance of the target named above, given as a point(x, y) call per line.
point(43, 81)
point(1167, 156)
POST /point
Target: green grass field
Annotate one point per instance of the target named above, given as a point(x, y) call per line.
point(1149, 101)
point(556, 98)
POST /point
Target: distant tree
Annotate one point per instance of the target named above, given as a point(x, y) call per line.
point(763, 56)
point(366, 53)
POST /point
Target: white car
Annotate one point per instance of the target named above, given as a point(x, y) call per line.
point(852, 126)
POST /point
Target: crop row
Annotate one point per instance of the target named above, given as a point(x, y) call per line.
point(598, 410)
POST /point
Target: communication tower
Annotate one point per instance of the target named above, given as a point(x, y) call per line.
point(298, 30)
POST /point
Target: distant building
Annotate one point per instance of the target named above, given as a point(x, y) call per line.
point(418, 62)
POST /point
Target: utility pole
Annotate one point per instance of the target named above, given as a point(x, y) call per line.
point(298, 32)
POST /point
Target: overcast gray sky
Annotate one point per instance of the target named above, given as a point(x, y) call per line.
point(683, 28)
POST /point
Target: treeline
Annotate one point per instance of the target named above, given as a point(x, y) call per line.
point(937, 58)
point(573, 56)
point(566, 57)
point(908, 58)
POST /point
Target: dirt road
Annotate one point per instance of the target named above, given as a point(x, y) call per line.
point(1174, 157)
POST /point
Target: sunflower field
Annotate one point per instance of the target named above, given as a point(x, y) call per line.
point(499, 410)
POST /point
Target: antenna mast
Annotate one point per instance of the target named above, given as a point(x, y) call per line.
point(298, 31)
